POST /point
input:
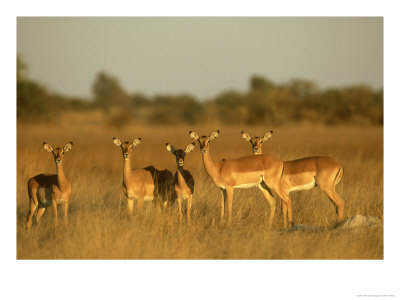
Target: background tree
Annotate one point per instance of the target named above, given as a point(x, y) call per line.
point(263, 104)
point(303, 89)
point(35, 103)
point(260, 83)
point(108, 92)
point(32, 102)
point(22, 69)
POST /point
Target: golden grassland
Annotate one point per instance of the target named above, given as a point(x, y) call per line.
point(98, 227)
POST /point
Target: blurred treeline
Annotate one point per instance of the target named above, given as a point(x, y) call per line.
point(264, 103)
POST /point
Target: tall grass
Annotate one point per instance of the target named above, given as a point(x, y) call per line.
point(99, 228)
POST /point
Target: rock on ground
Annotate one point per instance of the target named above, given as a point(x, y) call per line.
point(359, 221)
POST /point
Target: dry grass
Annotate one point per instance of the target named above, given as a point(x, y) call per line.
point(99, 228)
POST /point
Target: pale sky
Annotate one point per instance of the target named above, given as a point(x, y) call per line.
point(200, 56)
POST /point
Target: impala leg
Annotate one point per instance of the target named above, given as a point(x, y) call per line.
point(54, 205)
point(66, 213)
point(40, 214)
point(140, 202)
point(32, 207)
point(289, 208)
point(286, 201)
point(272, 205)
point(337, 201)
point(130, 207)
point(189, 206)
point(179, 208)
point(164, 204)
point(159, 203)
point(229, 199)
point(223, 200)
point(284, 213)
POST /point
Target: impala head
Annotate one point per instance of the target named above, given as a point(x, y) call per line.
point(204, 140)
point(256, 141)
point(179, 153)
point(127, 146)
point(58, 153)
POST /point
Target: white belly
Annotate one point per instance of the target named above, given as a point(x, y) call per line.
point(59, 200)
point(134, 197)
point(148, 198)
point(246, 185)
point(302, 187)
point(249, 185)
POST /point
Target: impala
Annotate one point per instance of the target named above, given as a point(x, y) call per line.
point(256, 141)
point(263, 171)
point(50, 189)
point(183, 181)
point(304, 174)
point(147, 184)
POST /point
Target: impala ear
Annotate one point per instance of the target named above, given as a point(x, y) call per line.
point(68, 147)
point(246, 136)
point(47, 147)
point(213, 135)
point(170, 148)
point(267, 136)
point(136, 141)
point(117, 141)
point(194, 135)
point(189, 147)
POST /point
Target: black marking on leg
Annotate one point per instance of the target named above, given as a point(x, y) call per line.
point(266, 187)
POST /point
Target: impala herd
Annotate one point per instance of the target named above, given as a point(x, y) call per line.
point(157, 184)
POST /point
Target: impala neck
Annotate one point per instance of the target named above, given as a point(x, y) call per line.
point(127, 167)
point(180, 169)
point(209, 165)
point(62, 179)
point(180, 174)
point(181, 178)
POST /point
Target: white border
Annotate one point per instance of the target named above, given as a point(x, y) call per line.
point(196, 279)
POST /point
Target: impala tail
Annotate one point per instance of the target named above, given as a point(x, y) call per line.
point(339, 175)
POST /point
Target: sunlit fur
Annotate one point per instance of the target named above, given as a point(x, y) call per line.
point(244, 172)
point(98, 229)
point(50, 189)
point(256, 141)
point(147, 184)
point(183, 182)
point(304, 174)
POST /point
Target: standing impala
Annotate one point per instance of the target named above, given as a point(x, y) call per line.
point(183, 181)
point(147, 184)
point(256, 141)
point(50, 189)
point(263, 171)
point(306, 173)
